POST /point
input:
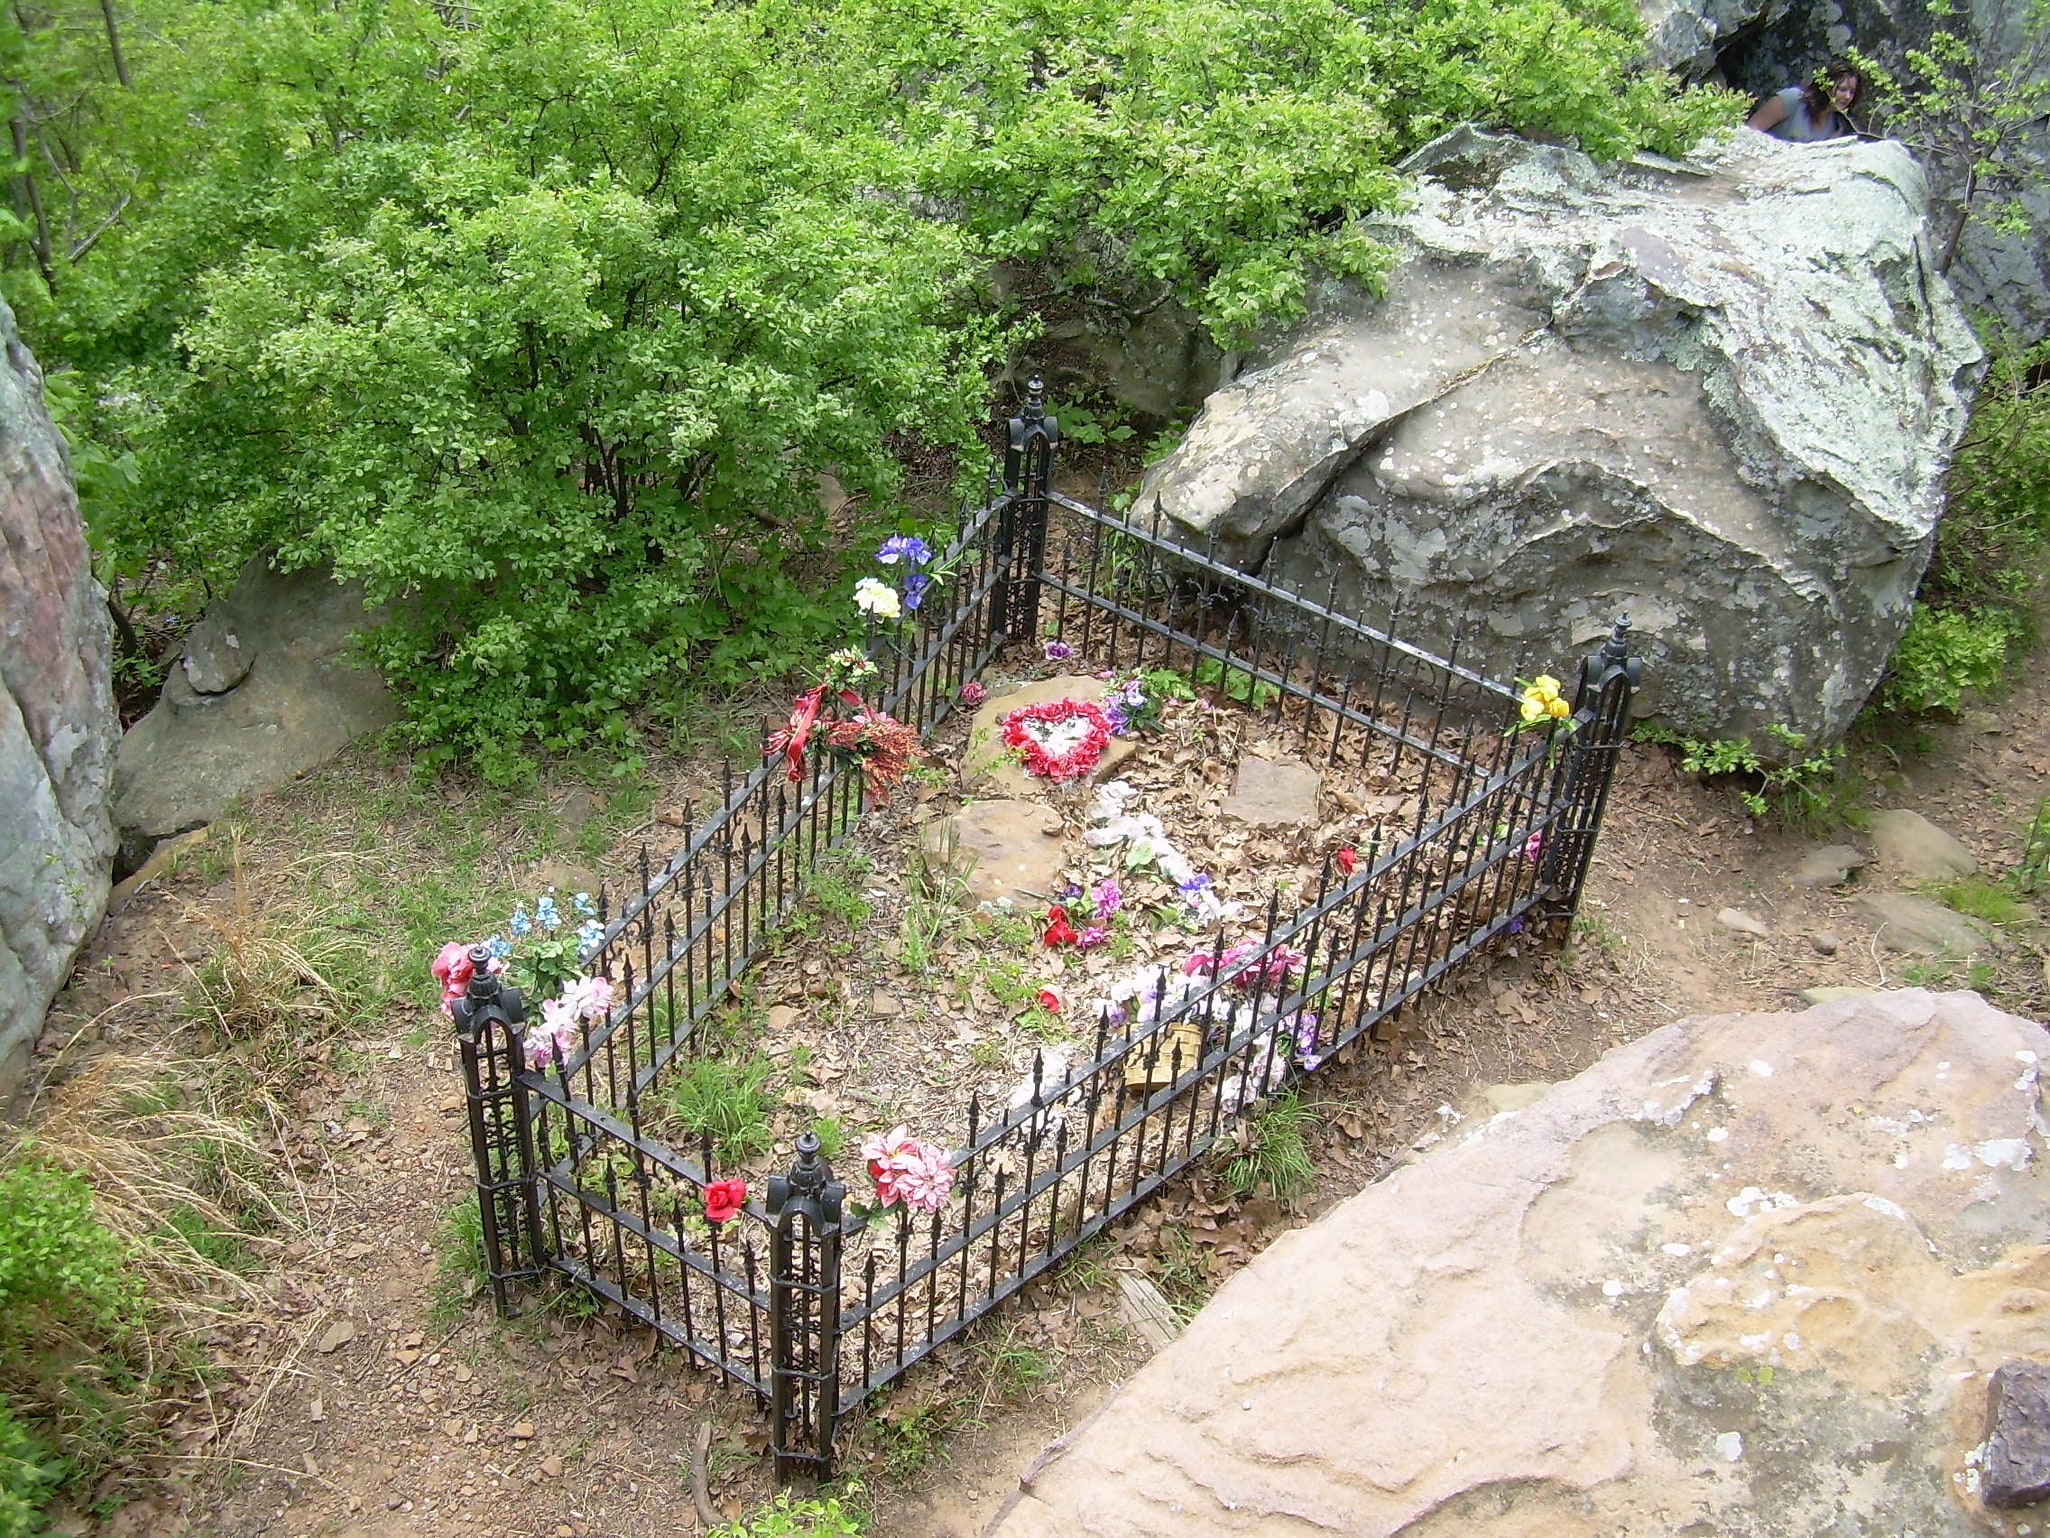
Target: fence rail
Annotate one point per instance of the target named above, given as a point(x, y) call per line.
point(571, 1182)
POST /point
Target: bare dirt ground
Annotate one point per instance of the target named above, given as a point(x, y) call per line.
point(365, 1399)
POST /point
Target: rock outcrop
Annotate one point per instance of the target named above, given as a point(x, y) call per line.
point(58, 726)
point(263, 692)
point(1748, 1275)
point(1688, 36)
point(2002, 269)
point(1717, 396)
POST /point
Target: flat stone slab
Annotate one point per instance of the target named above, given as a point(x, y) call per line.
point(988, 768)
point(1272, 792)
point(1689, 1291)
point(1830, 865)
point(1005, 850)
point(1914, 845)
point(1915, 926)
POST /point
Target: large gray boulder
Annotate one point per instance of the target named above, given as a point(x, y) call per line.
point(1719, 397)
point(263, 691)
point(1747, 1276)
point(58, 726)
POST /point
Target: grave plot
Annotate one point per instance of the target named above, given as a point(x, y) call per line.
point(1147, 839)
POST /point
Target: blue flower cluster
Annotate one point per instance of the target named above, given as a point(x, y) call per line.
point(547, 916)
point(913, 553)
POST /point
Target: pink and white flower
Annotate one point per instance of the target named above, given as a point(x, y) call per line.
point(907, 1170)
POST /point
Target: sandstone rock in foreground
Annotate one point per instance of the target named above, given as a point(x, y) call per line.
point(1749, 1275)
point(58, 727)
point(264, 691)
point(1718, 396)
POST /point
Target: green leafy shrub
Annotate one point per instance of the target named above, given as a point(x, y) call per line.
point(61, 1270)
point(70, 1312)
point(1947, 651)
point(1789, 781)
point(825, 1516)
point(28, 1474)
point(1976, 612)
point(544, 318)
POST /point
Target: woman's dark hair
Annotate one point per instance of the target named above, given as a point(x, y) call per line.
point(1822, 88)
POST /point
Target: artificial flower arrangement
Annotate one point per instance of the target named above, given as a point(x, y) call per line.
point(1064, 740)
point(544, 959)
point(1541, 703)
point(1105, 902)
point(910, 1174)
point(1248, 1002)
point(1058, 740)
point(831, 717)
point(1112, 822)
point(910, 577)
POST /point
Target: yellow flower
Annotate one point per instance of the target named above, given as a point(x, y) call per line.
point(1560, 708)
point(1545, 687)
point(1533, 711)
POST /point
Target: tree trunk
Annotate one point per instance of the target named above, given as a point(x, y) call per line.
point(41, 242)
point(114, 44)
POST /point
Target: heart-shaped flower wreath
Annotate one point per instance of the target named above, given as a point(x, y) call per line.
point(1060, 740)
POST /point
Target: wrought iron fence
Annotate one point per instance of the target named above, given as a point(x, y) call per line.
point(793, 1297)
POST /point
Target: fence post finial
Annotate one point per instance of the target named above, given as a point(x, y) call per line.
point(804, 1313)
point(489, 1019)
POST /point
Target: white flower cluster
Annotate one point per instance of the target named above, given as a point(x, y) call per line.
point(1111, 824)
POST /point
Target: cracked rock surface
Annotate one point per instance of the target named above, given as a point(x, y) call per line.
point(58, 727)
point(1748, 1275)
point(1718, 396)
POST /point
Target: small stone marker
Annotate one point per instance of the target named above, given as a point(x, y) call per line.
point(1914, 844)
point(1917, 926)
point(1181, 1048)
point(336, 1336)
point(1145, 1310)
point(1825, 942)
point(1831, 865)
point(1003, 849)
point(1737, 920)
point(2017, 1471)
point(1269, 793)
point(214, 659)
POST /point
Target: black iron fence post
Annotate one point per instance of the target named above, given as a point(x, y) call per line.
point(804, 1314)
point(1021, 527)
point(490, 1019)
point(1608, 680)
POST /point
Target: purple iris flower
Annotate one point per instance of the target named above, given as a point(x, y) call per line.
point(915, 584)
point(1059, 651)
point(904, 547)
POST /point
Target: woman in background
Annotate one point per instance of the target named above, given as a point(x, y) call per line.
point(1821, 109)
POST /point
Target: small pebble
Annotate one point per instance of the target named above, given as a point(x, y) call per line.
point(1825, 943)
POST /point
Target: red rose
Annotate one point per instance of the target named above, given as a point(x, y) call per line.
point(1347, 860)
point(1049, 1001)
point(723, 1198)
point(1058, 930)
